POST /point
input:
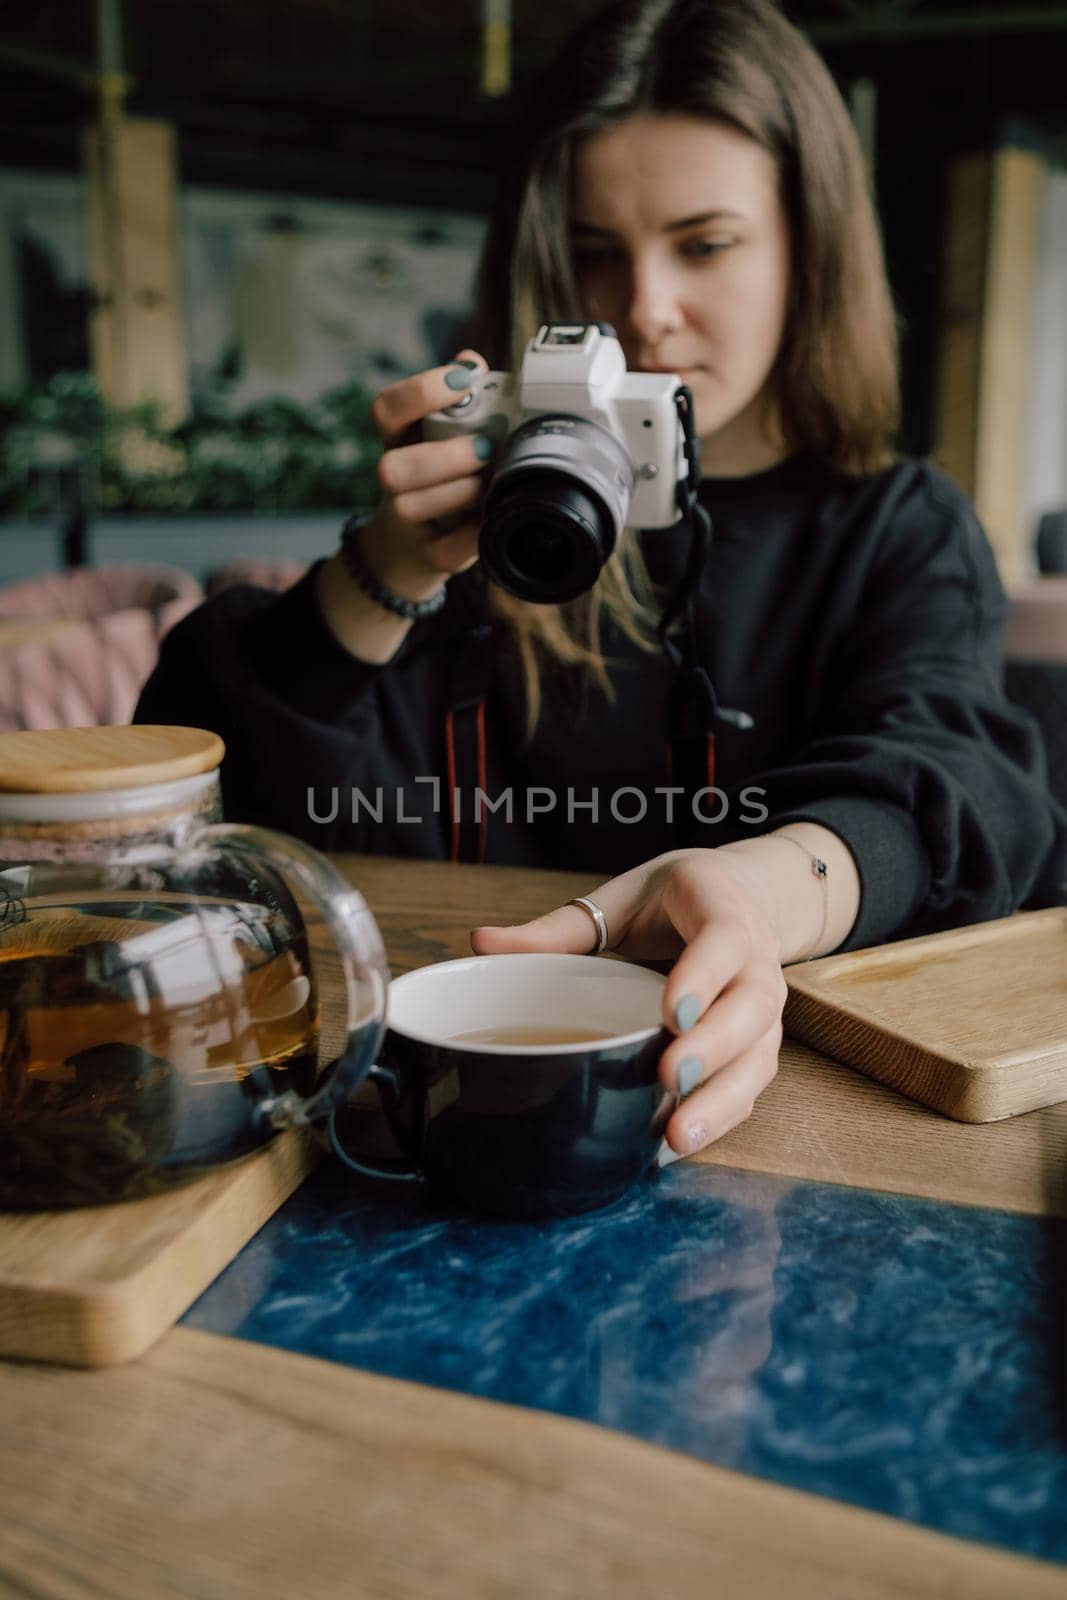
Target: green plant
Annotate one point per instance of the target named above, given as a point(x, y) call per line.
point(274, 456)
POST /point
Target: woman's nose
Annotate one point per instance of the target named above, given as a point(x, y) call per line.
point(654, 308)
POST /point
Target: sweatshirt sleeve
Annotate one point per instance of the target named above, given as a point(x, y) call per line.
point(937, 784)
point(265, 673)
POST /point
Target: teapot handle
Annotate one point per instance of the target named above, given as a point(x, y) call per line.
point(404, 1170)
point(362, 955)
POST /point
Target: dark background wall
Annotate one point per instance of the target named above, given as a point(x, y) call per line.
point(380, 100)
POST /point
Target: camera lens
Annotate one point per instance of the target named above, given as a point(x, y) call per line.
point(541, 555)
point(545, 537)
point(555, 508)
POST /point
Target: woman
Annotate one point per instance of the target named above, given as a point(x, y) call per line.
point(691, 176)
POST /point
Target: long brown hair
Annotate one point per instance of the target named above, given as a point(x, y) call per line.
point(739, 62)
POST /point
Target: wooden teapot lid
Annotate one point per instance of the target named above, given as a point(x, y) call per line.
point(79, 760)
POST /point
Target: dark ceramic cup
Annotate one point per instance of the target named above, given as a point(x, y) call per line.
point(525, 1085)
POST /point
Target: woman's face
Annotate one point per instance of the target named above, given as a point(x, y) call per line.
point(680, 241)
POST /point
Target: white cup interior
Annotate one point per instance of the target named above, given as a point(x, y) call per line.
point(436, 1003)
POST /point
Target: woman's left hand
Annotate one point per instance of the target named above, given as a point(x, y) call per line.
point(725, 993)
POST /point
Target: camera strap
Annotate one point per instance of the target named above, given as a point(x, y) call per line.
point(468, 687)
point(691, 707)
point(691, 710)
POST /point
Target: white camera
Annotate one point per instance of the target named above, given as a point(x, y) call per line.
point(583, 449)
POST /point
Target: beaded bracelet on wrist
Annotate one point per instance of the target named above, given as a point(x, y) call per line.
point(373, 588)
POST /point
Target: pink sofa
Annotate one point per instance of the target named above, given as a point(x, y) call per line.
point(92, 670)
point(1035, 666)
point(1037, 621)
point(267, 572)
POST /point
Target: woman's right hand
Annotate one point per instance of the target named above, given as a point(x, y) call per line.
point(426, 526)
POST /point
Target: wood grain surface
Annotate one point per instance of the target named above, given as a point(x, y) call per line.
point(80, 760)
point(215, 1470)
point(818, 1119)
point(972, 1022)
point(99, 1284)
point(212, 1469)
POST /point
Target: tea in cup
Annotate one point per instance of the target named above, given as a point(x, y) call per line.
point(525, 1084)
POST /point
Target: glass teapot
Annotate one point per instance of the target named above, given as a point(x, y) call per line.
point(159, 993)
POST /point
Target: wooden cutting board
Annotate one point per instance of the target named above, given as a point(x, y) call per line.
point(972, 1022)
point(99, 1284)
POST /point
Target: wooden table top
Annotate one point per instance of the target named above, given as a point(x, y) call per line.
point(818, 1119)
point(216, 1470)
point(213, 1467)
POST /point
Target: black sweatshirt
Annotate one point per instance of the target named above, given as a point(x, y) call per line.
point(851, 629)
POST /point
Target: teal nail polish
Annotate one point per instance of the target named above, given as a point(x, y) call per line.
point(483, 446)
point(686, 1012)
point(458, 378)
point(690, 1073)
point(461, 361)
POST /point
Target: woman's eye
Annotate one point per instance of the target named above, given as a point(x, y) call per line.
point(701, 249)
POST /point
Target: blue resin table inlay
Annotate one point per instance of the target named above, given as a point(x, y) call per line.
point(901, 1354)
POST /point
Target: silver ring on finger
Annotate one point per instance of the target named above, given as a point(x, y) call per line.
point(599, 921)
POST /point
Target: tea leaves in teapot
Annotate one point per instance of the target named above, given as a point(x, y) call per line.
point(135, 1048)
